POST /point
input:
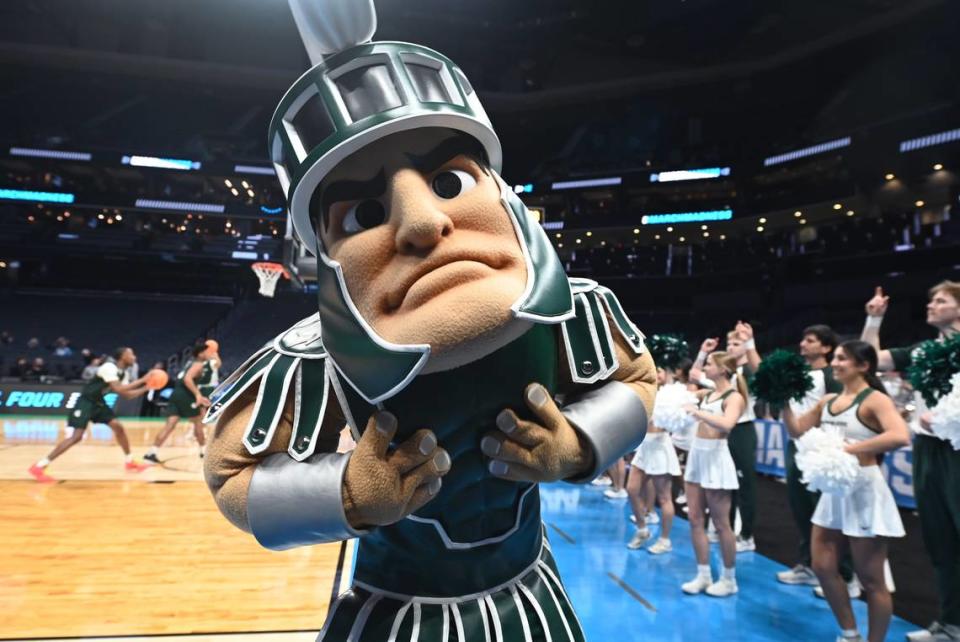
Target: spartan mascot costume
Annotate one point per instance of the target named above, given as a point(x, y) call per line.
point(465, 362)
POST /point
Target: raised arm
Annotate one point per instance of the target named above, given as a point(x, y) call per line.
point(708, 346)
point(876, 307)
point(745, 330)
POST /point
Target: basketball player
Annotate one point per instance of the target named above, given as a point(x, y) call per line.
point(187, 399)
point(110, 377)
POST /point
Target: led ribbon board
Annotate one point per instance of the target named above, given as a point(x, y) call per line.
point(690, 174)
point(50, 153)
point(687, 217)
point(160, 163)
point(930, 141)
point(807, 151)
point(147, 203)
point(588, 182)
point(254, 169)
point(31, 195)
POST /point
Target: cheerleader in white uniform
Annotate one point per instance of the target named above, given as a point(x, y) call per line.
point(656, 460)
point(711, 476)
point(869, 422)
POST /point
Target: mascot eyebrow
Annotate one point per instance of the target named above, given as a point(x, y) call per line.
point(376, 186)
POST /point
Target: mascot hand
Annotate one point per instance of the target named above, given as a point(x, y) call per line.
point(382, 485)
point(536, 452)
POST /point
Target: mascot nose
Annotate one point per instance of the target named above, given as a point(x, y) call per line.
point(420, 223)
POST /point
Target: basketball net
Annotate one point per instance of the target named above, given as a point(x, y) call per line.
point(269, 274)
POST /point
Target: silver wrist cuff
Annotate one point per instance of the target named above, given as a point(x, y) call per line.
point(612, 418)
point(293, 503)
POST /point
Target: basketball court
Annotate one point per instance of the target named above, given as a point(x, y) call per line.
point(106, 554)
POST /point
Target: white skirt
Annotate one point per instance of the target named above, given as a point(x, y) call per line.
point(869, 510)
point(710, 465)
point(656, 455)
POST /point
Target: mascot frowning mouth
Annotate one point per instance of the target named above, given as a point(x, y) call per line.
point(448, 338)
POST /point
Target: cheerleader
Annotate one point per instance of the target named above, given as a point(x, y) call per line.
point(711, 476)
point(655, 461)
point(864, 518)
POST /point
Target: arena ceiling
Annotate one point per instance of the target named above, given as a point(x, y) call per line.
point(204, 76)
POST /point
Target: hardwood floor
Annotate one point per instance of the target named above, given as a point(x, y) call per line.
point(110, 553)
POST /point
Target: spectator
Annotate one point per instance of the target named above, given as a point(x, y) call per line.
point(6, 338)
point(37, 370)
point(33, 343)
point(20, 368)
point(61, 347)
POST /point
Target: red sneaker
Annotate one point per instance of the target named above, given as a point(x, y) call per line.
point(135, 467)
point(40, 475)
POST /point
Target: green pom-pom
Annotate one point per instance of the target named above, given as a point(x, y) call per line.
point(933, 363)
point(668, 350)
point(782, 376)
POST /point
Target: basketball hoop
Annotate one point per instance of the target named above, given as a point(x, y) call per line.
point(268, 275)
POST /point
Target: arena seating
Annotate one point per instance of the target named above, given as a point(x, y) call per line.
point(102, 321)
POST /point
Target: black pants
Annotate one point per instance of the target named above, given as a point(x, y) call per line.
point(936, 485)
point(743, 448)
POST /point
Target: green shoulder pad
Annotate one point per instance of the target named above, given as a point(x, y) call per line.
point(630, 333)
point(295, 357)
point(587, 338)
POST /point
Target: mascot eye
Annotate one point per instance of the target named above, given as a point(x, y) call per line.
point(452, 183)
point(363, 216)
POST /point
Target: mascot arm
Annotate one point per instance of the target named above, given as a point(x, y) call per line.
point(611, 415)
point(282, 502)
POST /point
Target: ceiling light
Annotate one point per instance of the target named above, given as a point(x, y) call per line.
point(723, 237)
point(889, 177)
point(850, 212)
point(578, 241)
point(837, 206)
point(937, 167)
point(703, 227)
point(559, 235)
point(762, 220)
point(759, 228)
point(669, 229)
point(919, 203)
point(798, 213)
point(636, 230)
point(656, 236)
point(803, 221)
point(589, 233)
point(682, 239)
point(227, 182)
point(706, 234)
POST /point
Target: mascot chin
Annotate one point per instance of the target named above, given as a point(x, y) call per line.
point(467, 365)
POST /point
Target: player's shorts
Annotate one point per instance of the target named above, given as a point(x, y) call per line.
point(87, 411)
point(182, 404)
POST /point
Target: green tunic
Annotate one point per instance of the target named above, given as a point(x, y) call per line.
point(474, 559)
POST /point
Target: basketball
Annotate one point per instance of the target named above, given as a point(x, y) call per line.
point(157, 379)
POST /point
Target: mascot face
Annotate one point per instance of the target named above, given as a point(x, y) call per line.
point(429, 253)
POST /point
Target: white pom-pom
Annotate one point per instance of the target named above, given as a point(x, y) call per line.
point(824, 464)
point(668, 412)
point(329, 26)
point(946, 414)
